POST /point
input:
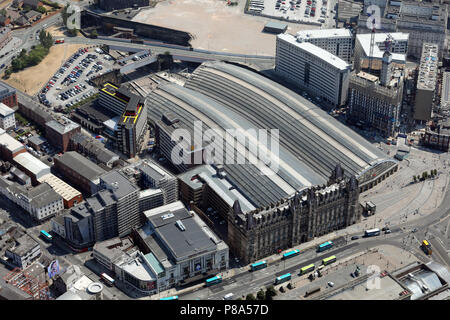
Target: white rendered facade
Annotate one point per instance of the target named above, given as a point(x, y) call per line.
point(312, 69)
point(335, 41)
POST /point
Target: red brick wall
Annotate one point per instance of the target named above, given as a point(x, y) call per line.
point(73, 201)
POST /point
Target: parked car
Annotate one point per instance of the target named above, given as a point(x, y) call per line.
point(355, 238)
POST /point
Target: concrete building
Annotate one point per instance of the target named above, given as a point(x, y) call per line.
point(10, 147)
point(32, 110)
point(7, 118)
point(70, 195)
point(79, 171)
point(59, 132)
point(25, 251)
point(426, 82)
point(309, 213)
point(313, 69)
point(445, 92)
point(174, 247)
point(425, 22)
point(437, 136)
point(336, 41)
point(110, 5)
point(132, 123)
point(8, 95)
point(153, 176)
point(373, 105)
point(41, 202)
point(396, 43)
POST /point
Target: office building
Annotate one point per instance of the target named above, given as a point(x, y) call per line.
point(373, 105)
point(313, 69)
point(426, 82)
point(395, 43)
point(153, 176)
point(336, 41)
point(174, 247)
point(132, 123)
point(7, 118)
point(425, 22)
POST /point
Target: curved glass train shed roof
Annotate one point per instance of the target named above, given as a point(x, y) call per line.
point(312, 143)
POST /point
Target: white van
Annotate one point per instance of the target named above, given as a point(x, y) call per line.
point(228, 296)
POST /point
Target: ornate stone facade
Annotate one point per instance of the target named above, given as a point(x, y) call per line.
point(309, 213)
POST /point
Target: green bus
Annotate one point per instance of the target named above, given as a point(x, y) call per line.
point(307, 269)
point(329, 260)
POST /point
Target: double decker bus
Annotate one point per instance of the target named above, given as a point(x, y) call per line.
point(372, 232)
point(108, 280)
point(283, 278)
point(214, 280)
point(170, 298)
point(291, 254)
point(46, 235)
point(325, 246)
point(329, 260)
point(426, 247)
point(259, 265)
point(307, 269)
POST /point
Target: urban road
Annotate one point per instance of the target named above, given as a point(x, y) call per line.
point(402, 236)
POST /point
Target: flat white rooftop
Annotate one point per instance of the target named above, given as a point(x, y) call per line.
point(324, 33)
point(314, 50)
point(5, 110)
point(364, 40)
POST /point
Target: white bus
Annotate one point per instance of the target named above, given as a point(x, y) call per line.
point(372, 232)
point(109, 281)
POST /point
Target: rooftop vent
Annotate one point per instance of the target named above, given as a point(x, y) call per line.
point(167, 216)
point(180, 225)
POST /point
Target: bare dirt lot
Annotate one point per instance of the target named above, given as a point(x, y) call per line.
point(216, 26)
point(32, 79)
point(57, 31)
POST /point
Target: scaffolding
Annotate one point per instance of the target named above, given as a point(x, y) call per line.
point(29, 284)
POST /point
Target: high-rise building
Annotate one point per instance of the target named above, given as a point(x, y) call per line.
point(426, 82)
point(313, 69)
point(133, 117)
point(336, 41)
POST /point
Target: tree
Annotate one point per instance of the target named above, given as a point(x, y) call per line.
point(72, 32)
point(289, 286)
point(270, 293)
point(414, 178)
point(250, 296)
point(41, 9)
point(94, 34)
point(261, 295)
point(282, 289)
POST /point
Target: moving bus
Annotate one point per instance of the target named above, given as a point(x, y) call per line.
point(283, 278)
point(426, 247)
point(307, 269)
point(329, 260)
point(170, 298)
point(46, 236)
point(325, 246)
point(291, 254)
point(372, 232)
point(258, 265)
point(109, 281)
point(213, 280)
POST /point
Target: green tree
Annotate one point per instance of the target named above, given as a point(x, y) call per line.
point(41, 9)
point(250, 296)
point(72, 32)
point(261, 295)
point(94, 34)
point(270, 292)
